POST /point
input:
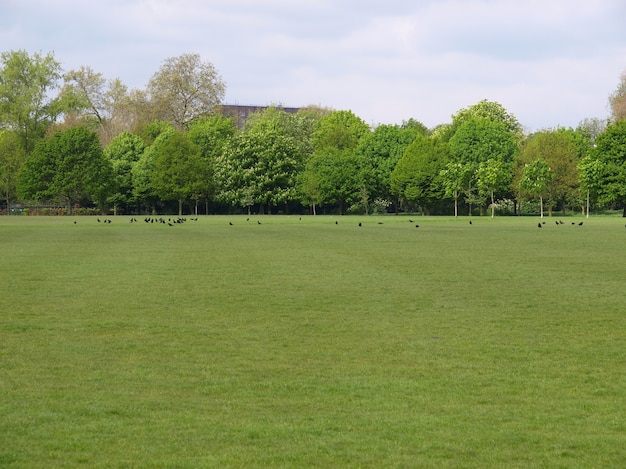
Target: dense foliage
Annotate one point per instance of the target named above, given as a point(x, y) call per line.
point(167, 148)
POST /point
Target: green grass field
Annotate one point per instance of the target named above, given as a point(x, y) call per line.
point(305, 343)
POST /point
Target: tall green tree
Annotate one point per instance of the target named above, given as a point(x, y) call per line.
point(258, 167)
point(610, 151)
point(179, 171)
point(478, 140)
point(561, 149)
point(381, 150)
point(492, 176)
point(335, 141)
point(154, 135)
point(185, 88)
point(309, 189)
point(11, 157)
point(70, 166)
point(212, 135)
point(27, 106)
point(489, 110)
point(415, 177)
point(299, 127)
point(339, 130)
point(123, 152)
point(454, 179)
point(590, 172)
point(334, 177)
point(536, 177)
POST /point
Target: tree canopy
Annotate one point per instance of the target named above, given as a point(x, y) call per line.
point(149, 149)
point(26, 103)
point(69, 166)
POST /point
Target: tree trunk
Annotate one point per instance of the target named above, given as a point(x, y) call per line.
point(541, 206)
point(493, 205)
point(456, 204)
point(180, 207)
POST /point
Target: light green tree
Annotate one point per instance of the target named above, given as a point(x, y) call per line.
point(153, 135)
point(536, 177)
point(453, 178)
point(590, 171)
point(492, 176)
point(478, 140)
point(339, 130)
point(309, 190)
point(561, 149)
point(179, 169)
point(27, 102)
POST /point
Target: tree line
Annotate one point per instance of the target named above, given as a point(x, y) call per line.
point(78, 140)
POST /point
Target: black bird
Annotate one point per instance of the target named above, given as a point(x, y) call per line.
point(380, 223)
point(538, 225)
point(560, 222)
point(74, 221)
point(417, 226)
point(360, 224)
point(470, 222)
point(98, 220)
point(573, 223)
point(230, 223)
point(336, 222)
point(247, 219)
point(543, 222)
point(410, 221)
point(556, 222)
point(169, 224)
point(258, 222)
point(580, 224)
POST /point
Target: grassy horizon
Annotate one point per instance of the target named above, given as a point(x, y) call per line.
point(302, 342)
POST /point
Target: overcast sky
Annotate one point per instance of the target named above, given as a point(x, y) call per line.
point(549, 62)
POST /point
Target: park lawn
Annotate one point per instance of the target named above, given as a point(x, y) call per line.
point(302, 342)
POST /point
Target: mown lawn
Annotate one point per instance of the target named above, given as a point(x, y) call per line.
point(299, 342)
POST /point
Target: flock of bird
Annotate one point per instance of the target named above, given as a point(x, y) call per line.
point(160, 220)
point(557, 222)
point(180, 220)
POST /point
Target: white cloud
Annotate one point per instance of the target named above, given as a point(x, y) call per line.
point(550, 62)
